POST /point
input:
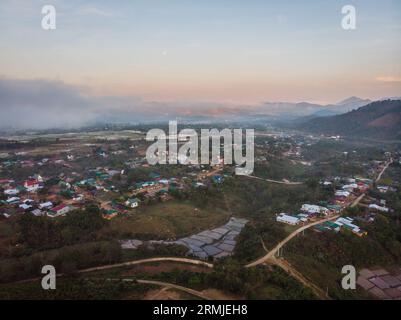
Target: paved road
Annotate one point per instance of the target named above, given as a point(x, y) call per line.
point(276, 181)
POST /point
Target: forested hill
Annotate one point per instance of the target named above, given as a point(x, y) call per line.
point(380, 119)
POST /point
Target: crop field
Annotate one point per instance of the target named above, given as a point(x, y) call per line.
point(169, 220)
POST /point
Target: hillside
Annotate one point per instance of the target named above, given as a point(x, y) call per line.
point(380, 119)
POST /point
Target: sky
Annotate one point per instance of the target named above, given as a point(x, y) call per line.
point(197, 51)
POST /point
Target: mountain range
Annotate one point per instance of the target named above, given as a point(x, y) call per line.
point(282, 111)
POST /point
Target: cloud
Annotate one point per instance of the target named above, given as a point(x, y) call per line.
point(42, 104)
point(388, 79)
point(45, 104)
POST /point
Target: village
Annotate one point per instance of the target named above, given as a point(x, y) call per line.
point(349, 193)
point(71, 187)
point(200, 212)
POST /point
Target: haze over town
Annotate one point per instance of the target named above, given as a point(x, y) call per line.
point(136, 60)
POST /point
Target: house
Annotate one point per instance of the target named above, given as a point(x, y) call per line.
point(78, 197)
point(45, 205)
point(382, 189)
point(13, 200)
point(59, 210)
point(347, 223)
point(37, 212)
point(378, 208)
point(25, 206)
point(6, 181)
point(310, 208)
point(110, 214)
point(350, 187)
point(285, 218)
point(11, 192)
point(31, 185)
point(132, 203)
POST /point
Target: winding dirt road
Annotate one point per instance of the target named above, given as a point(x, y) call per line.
point(134, 262)
point(273, 252)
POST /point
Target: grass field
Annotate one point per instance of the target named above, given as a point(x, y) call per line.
point(169, 220)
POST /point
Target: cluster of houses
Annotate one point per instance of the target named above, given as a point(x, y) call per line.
point(215, 243)
point(346, 190)
point(67, 191)
point(29, 163)
point(341, 224)
point(307, 213)
point(350, 187)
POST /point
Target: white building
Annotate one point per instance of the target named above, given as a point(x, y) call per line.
point(341, 193)
point(132, 203)
point(13, 200)
point(285, 218)
point(46, 205)
point(378, 208)
point(25, 206)
point(11, 192)
point(311, 208)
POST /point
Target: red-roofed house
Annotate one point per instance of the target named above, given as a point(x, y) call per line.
point(59, 210)
point(31, 185)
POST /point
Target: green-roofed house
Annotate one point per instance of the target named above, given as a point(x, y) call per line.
point(132, 202)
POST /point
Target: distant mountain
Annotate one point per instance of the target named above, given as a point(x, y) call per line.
point(380, 119)
point(349, 104)
point(286, 111)
point(289, 110)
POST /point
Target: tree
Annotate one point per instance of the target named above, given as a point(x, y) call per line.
point(38, 232)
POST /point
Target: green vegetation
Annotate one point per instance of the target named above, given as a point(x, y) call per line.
point(75, 288)
point(251, 283)
point(68, 260)
point(166, 220)
point(321, 256)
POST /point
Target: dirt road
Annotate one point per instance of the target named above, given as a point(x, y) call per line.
point(383, 170)
point(131, 263)
point(286, 266)
point(272, 252)
point(276, 181)
point(175, 286)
